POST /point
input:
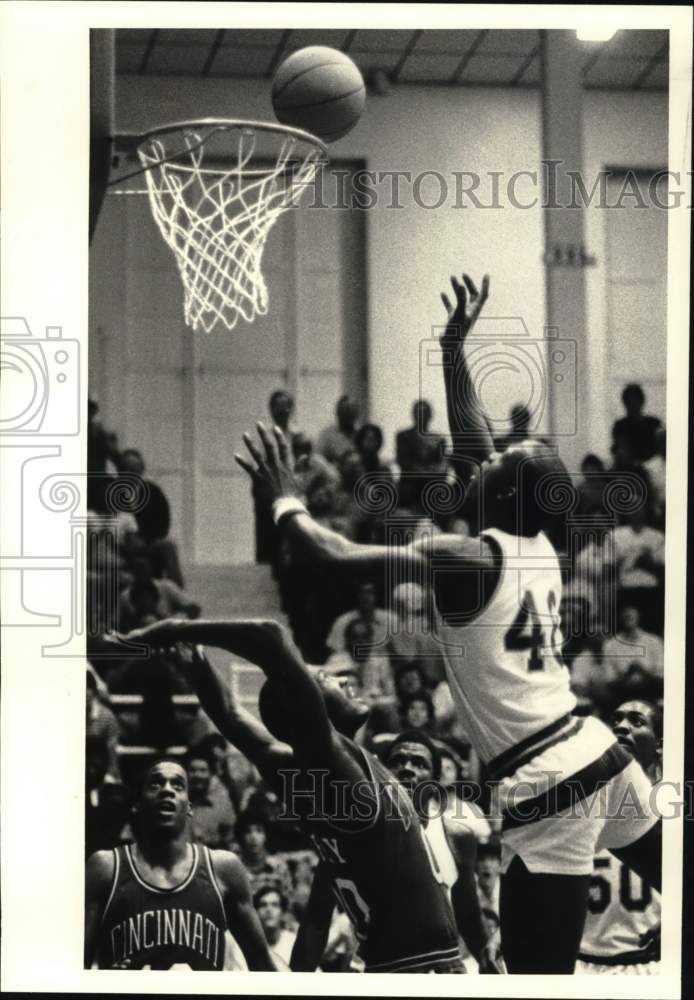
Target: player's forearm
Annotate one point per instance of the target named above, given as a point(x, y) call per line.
point(468, 915)
point(314, 930)
point(468, 426)
point(315, 542)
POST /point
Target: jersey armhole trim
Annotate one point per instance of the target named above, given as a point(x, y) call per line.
point(116, 872)
point(215, 883)
point(498, 556)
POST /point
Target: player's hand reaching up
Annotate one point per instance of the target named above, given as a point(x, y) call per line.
point(271, 468)
point(463, 315)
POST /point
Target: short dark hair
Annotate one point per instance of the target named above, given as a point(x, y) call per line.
point(247, 819)
point(417, 736)
point(418, 696)
point(267, 887)
point(144, 774)
point(368, 429)
point(634, 390)
point(280, 392)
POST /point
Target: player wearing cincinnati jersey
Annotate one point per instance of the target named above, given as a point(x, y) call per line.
point(163, 902)
point(362, 822)
point(498, 589)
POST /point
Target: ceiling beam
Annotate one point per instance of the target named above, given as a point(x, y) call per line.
point(349, 40)
point(650, 66)
point(148, 51)
point(214, 49)
point(406, 53)
point(467, 56)
point(524, 66)
point(279, 52)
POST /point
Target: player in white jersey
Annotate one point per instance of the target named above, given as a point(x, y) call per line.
point(622, 931)
point(561, 780)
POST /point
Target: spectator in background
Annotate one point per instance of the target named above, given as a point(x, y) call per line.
point(633, 661)
point(336, 441)
point(413, 639)
point(637, 430)
point(488, 869)
point(153, 521)
point(102, 451)
point(418, 712)
point(638, 553)
point(272, 906)
point(655, 468)
point(263, 868)
point(102, 728)
point(380, 623)
point(369, 441)
point(519, 418)
point(148, 599)
point(420, 456)
point(591, 486)
point(310, 466)
point(455, 780)
point(213, 819)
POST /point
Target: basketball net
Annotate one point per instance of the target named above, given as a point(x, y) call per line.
point(215, 193)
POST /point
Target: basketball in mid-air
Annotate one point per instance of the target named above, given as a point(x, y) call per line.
point(320, 90)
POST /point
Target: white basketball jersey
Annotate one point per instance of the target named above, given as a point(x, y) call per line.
point(505, 669)
point(623, 911)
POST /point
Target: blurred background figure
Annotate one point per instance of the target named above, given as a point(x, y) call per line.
point(339, 438)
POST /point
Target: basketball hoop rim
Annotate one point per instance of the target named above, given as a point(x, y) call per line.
point(132, 141)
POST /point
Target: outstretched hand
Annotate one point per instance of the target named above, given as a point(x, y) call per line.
point(272, 471)
point(159, 635)
point(463, 315)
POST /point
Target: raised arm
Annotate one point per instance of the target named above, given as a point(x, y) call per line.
point(468, 425)
point(314, 930)
point(242, 918)
point(272, 472)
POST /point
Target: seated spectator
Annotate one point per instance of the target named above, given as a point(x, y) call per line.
point(633, 660)
point(148, 599)
point(213, 819)
point(413, 639)
point(153, 521)
point(519, 419)
point(381, 623)
point(590, 677)
point(417, 712)
point(272, 906)
point(220, 754)
point(638, 554)
point(592, 583)
point(263, 868)
point(655, 468)
point(310, 466)
point(637, 430)
point(591, 486)
point(102, 727)
point(487, 870)
point(336, 441)
point(369, 441)
point(420, 454)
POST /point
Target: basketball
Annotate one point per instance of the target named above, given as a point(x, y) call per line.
point(320, 90)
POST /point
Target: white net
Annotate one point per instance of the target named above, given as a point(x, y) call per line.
point(215, 194)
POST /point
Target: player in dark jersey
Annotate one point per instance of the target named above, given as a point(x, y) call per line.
point(361, 820)
point(515, 696)
point(164, 902)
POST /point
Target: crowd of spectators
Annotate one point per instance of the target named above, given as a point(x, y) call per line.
point(377, 639)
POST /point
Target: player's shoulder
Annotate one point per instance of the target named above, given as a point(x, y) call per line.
point(100, 870)
point(227, 867)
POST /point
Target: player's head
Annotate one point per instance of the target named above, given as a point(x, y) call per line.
point(270, 905)
point(346, 709)
point(163, 804)
point(638, 726)
point(517, 489)
point(414, 758)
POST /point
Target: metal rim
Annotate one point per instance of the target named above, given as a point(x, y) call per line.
point(136, 139)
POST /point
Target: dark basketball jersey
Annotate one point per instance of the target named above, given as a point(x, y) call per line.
point(145, 927)
point(383, 878)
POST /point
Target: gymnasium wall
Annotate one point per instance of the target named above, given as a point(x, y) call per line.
point(411, 251)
